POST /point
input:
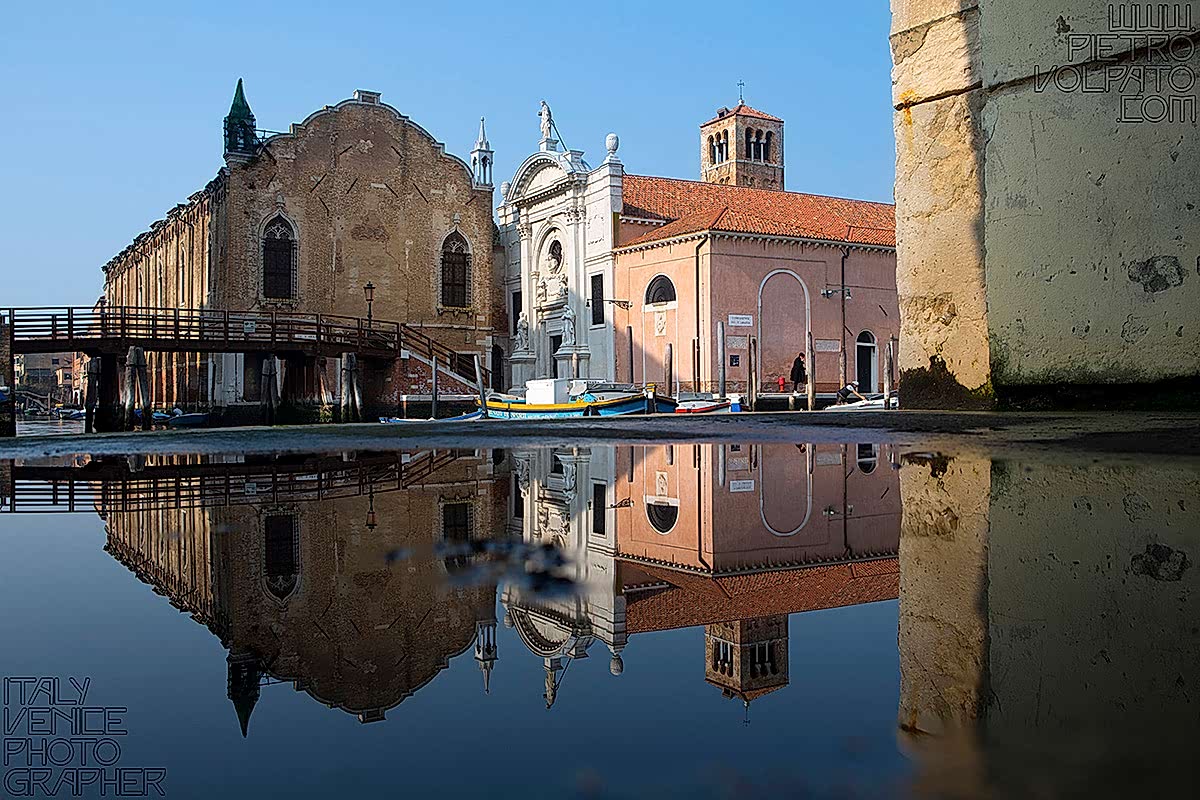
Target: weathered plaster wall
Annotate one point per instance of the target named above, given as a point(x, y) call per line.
point(1043, 241)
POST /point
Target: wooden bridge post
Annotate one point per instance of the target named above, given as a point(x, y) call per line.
point(109, 396)
point(8, 409)
point(351, 404)
point(137, 387)
point(269, 389)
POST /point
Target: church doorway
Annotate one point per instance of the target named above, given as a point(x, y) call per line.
point(555, 343)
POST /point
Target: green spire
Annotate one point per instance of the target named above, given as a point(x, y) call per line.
point(240, 134)
point(240, 109)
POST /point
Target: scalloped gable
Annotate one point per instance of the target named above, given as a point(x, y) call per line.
point(298, 128)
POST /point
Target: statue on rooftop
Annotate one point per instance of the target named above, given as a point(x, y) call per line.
point(547, 120)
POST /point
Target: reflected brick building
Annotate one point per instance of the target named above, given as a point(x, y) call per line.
point(345, 597)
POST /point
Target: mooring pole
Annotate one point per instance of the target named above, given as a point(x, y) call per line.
point(629, 340)
point(811, 386)
point(887, 376)
point(721, 360)
point(91, 394)
point(669, 368)
point(434, 396)
point(479, 385)
point(752, 380)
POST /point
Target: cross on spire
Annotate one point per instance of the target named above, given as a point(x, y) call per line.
point(741, 95)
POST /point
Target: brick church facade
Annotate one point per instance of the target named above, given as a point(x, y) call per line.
point(301, 222)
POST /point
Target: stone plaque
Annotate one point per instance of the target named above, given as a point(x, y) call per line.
point(827, 345)
point(738, 465)
point(827, 458)
point(737, 342)
point(741, 321)
point(741, 486)
point(660, 323)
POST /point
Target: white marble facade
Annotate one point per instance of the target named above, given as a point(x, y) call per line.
point(557, 225)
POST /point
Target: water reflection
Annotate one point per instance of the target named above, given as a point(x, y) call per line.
point(349, 575)
point(730, 537)
point(1047, 624)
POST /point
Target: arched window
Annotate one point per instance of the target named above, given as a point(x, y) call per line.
point(749, 144)
point(556, 256)
point(282, 558)
point(758, 145)
point(724, 145)
point(456, 268)
point(279, 260)
point(712, 150)
point(767, 147)
point(660, 290)
point(865, 352)
point(867, 458)
point(662, 516)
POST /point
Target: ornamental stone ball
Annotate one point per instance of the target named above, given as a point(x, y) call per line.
point(616, 666)
point(612, 142)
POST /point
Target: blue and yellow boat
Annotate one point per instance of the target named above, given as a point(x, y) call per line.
point(596, 401)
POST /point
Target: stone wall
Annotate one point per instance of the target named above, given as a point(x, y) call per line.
point(1047, 232)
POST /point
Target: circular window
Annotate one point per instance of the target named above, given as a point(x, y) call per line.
point(662, 516)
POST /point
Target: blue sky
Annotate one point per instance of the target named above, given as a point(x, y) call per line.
point(113, 110)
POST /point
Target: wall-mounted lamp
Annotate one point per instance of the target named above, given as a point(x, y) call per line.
point(369, 293)
point(626, 503)
point(625, 304)
point(831, 291)
point(372, 522)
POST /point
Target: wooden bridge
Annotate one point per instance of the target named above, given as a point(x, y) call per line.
point(112, 486)
point(109, 332)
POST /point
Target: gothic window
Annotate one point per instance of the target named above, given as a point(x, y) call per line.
point(660, 290)
point(279, 260)
point(281, 564)
point(456, 268)
point(767, 147)
point(725, 145)
point(456, 535)
point(758, 146)
point(712, 150)
point(749, 144)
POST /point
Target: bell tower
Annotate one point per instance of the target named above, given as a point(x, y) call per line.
point(742, 146)
point(241, 139)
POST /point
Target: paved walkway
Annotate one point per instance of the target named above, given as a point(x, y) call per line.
point(1048, 435)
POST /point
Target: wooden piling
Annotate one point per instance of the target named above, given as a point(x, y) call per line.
point(479, 384)
point(811, 386)
point(434, 396)
point(721, 358)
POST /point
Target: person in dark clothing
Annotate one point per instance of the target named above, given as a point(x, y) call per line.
point(799, 374)
point(844, 393)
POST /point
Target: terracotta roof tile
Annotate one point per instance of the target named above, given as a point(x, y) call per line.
point(700, 600)
point(693, 206)
point(743, 110)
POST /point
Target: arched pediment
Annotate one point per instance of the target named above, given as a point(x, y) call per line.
point(541, 171)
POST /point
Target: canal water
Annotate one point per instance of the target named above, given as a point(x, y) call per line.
point(717, 620)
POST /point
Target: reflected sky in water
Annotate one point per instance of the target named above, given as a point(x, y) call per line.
point(690, 620)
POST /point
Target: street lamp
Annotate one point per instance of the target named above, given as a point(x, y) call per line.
point(369, 293)
point(372, 523)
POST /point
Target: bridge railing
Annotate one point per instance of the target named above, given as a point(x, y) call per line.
point(223, 330)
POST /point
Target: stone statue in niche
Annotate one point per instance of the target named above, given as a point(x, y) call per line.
point(547, 120)
point(522, 467)
point(522, 341)
point(568, 327)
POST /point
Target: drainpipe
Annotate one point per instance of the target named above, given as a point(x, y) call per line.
point(696, 346)
point(842, 359)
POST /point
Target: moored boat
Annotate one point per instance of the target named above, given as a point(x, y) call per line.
point(561, 399)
